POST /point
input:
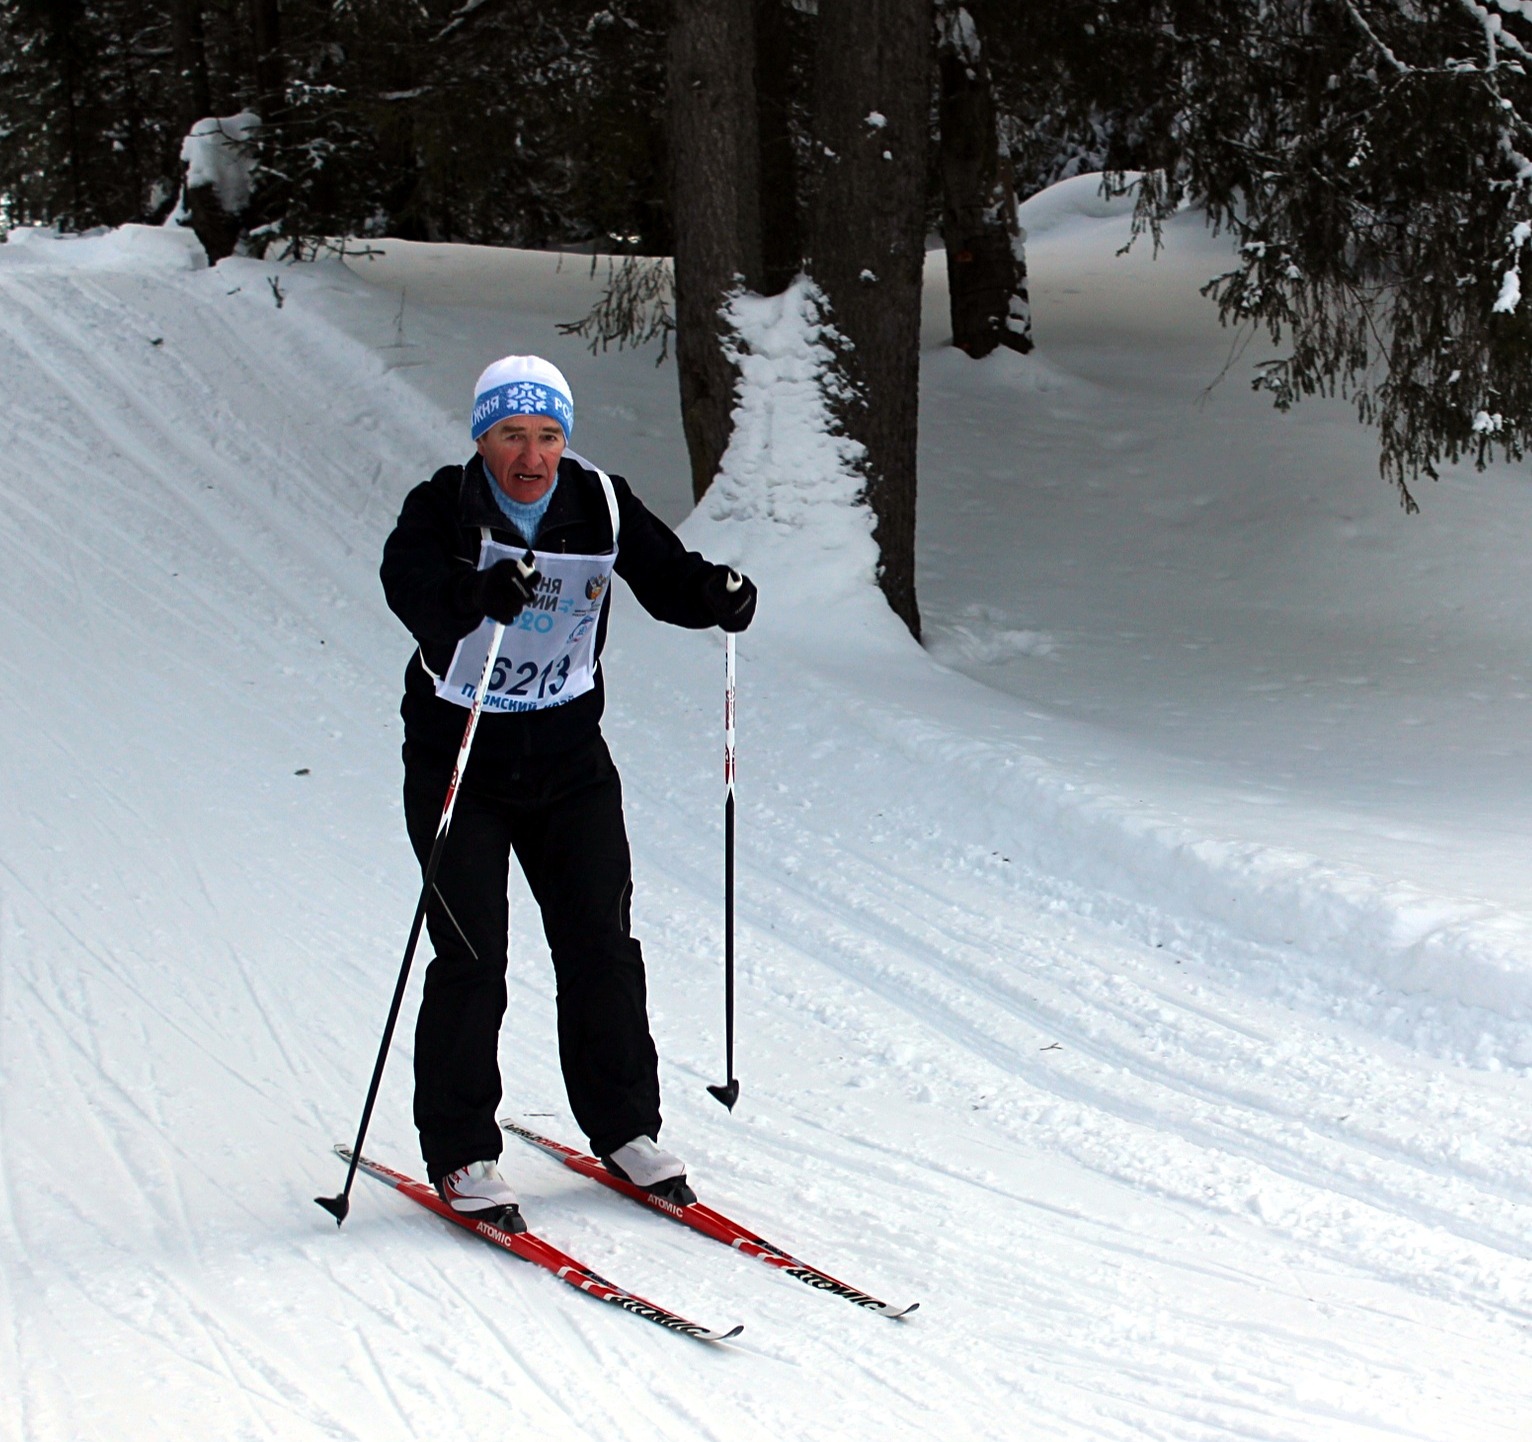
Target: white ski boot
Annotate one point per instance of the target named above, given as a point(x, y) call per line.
point(660, 1173)
point(479, 1191)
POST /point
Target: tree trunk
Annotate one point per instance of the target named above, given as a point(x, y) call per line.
point(64, 21)
point(214, 227)
point(189, 47)
point(781, 238)
point(986, 266)
point(715, 205)
point(269, 77)
point(872, 99)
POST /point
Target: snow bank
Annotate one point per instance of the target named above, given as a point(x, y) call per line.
point(1073, 203)
point(787, 501)
point(1445, 975)
point(141, 248)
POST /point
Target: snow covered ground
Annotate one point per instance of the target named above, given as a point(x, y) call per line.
point(1139, 976)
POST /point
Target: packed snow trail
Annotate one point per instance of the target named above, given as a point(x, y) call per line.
point(1151, 1173)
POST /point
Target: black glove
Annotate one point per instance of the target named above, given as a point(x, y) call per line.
point(502, 592)
point(730, 596)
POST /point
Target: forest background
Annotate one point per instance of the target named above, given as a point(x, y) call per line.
point(1369, 159)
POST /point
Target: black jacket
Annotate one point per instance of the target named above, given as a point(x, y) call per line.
point(436, 543)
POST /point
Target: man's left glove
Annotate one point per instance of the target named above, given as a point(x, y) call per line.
point(730, 597)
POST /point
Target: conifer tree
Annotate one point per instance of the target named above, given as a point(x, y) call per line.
point(1368, 159)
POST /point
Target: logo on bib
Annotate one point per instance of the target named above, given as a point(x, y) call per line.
point(594, 587)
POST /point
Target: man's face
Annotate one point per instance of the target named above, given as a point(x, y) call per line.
point(522, 454)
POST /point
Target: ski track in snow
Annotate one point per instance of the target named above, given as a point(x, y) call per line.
point(1148, 1178)
point(1425, 1192)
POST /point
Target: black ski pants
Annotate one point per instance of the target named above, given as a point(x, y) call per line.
point(562, 816)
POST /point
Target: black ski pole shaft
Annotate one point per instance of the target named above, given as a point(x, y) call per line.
point(728, 1093)
point(338, 1206)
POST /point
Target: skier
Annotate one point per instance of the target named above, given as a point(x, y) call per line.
point(540, 780)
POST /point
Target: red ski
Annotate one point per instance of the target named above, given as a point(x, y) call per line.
point(533, 1248)
point(712, 1224)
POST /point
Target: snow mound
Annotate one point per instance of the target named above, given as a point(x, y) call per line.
point(218, 152)
point(984, 638)
point(142, 249)
point(1074, 202)
point(787, 502)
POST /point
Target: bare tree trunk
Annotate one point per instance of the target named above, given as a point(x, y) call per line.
point(715, 204)
point(214, 227)
point(189, 47)
point(269, 77)
point(986, 267)
point(872, 98)
point(781, 238)
point(133, 160)
point(63, 24)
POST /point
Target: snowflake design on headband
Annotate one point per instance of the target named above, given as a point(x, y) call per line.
point(528, 397)
point(524, 393)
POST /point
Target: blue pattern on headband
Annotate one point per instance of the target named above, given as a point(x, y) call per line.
point(521, 398)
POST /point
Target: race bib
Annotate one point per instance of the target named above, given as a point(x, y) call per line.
point(548, 654)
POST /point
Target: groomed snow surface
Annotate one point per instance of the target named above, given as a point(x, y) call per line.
point(1139, 975)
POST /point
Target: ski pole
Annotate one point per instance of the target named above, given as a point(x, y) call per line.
point(338, 1206)
point(728, 1093)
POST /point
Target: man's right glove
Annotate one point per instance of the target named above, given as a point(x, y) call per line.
point(502, 592)
point(730, 597)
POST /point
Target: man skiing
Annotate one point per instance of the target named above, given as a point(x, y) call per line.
point(540, 781)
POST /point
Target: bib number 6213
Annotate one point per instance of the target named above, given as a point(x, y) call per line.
point(550, 679)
